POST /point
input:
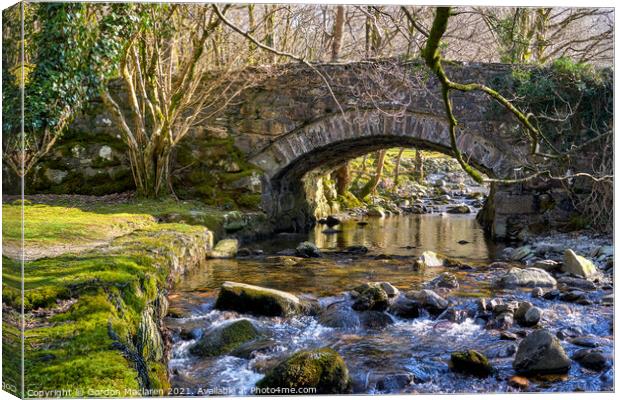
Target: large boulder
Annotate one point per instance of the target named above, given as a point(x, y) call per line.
point(226, 248)
point(541, 353)
point(307, 250)
point(429, 300)
point(471, 362)
point(525, 277)
point(322, 369)
point(225, 338)
point(258, 300)
point(578, 265)
point(429, 259)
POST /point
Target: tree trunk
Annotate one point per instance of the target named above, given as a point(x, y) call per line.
point(343, 179)
point(397, 168)
point(419, 167)
point(371, 186)
point(337, 33)
point(252, 27)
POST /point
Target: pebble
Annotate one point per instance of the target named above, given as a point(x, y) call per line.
point(519, 382)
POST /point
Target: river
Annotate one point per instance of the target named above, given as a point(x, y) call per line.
point(404, 356)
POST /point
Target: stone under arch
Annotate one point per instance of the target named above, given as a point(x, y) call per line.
point(328, 142)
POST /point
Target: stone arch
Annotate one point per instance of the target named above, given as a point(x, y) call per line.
point(329, 141)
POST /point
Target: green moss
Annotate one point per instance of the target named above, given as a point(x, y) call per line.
point(225, 339)
point(91, 294)
point(471, 362)
point(249, 201)
point(349, 201)
point(322, 369)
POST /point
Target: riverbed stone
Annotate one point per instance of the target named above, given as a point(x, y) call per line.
point(404, 307)
point(226, 248)
point(375, 320)
point(445, 280)
point(307, 250)
point(532, 317)
point(459, 209)
point(429, 259)
point(376, 211)
point(322, 369)
point(578, 265)
point(339, 315)
point(224, 339)
point(518, 382)
point(594, 360)
point(541, 353)
point(429, 300)
point(258, 300)
point(547, 265)
point(579, 283)
point(370, 296)
point(471, 362)
point(521, 253)
point(525, 277)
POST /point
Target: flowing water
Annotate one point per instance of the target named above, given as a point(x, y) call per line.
point(408, 355)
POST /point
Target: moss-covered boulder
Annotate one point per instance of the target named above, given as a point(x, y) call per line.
point(322, 369)
point(370, 296)
point(258, 300)
point(226, 248)
point(225, 339)
point(471, 362)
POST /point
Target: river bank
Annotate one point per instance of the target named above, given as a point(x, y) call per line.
point(475, 297)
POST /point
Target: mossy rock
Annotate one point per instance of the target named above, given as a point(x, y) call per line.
point(370, 296)
point(257, 300)
point(322, 369)
point(225, 339)
point(471, 362)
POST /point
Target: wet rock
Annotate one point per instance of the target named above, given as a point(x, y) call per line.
point(576, 283)
point(532, 317)
point(389, 289)
point(578, 265)
point(339, 315)
point(445, 280)
point(332, 221)
point(429, 300)
point(552, 295)
point(322, 369)
point(376, 211)
point(594, 360)
point(537, 292)
point(258, 300)
point(284, 260)
point(521, 253)
point(370, 296)
point(507, 335)
point(375, 320)
point(453, 315)
point(357, 249)
point(394, 382)
point(405, 308)
point(191, 334)
point(459, 209)
point(586, 341)
point(307, 250)
point(471, 362)
point(499, 265)
point(566, 333)
point(244, 252)
point(573, 296)
point(178, 312)
point(525, 277)
point(524, 306)
point(541, 353)
point(429, 259)
point(247, 350)
point(504, 320)
point(547, 265)
point(608, 299)
point(226, 248)
point(483, 305)
point(224, 339)
point(518, 382)
point(499, 306)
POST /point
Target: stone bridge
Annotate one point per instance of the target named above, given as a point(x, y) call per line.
point(289, 127)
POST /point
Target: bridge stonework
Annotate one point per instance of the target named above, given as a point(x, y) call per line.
point(290, 127)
